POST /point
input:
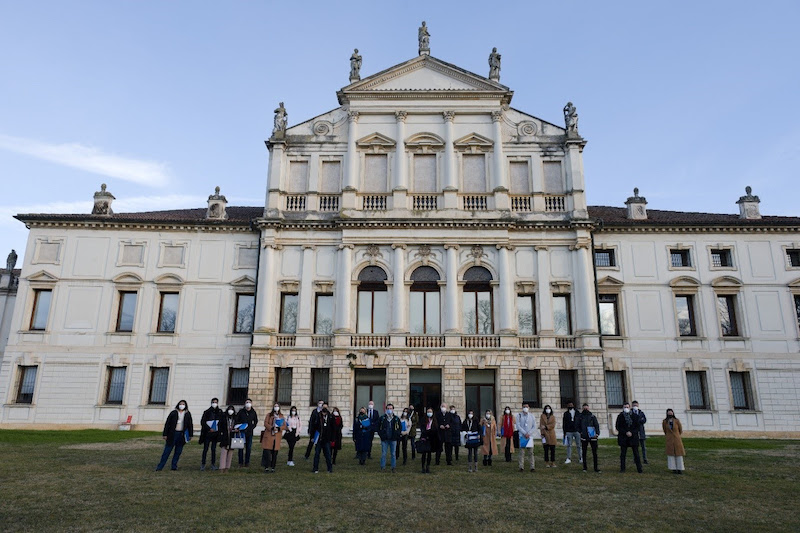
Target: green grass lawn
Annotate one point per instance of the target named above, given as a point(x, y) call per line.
point(104, 480)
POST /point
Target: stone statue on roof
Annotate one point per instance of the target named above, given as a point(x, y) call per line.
point(571, 118)
point(281, 119)
point(355, 66)
point(11, 261)
point(494, 65)
point(424, 40)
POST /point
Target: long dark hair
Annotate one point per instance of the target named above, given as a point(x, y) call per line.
point(666, 414)
point(182, 402)
point(295, 411)
point(544, 411)
point(228, 409)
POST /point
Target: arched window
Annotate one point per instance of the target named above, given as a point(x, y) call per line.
point(424, 308)
point(373, 301)
point(477, 302)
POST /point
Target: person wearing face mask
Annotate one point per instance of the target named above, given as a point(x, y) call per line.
point(313, 422)
point(525, 425)
point(326, 437)
point(642, 433)
point(247, 416)
point(547, 427)
point(627, 426)
point(413, 417)
point(443, 421)
point(427, 437)
point(293, 428)
point(338, 425)
point(572, 434)
point(674, 443)
point(226, 432)
point(374, 420)
point(405, 429)
point(470, 427)
point(177, 430)
point(589, 428)
point(274, 427)
point(389, 430)
point(489, 430)
point(455, 431)
point(507, 433)
point(209, 431)
point(362, 435)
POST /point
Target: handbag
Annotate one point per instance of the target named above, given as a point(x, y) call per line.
point(472, 438)
point(237, 443)
point(423, 446)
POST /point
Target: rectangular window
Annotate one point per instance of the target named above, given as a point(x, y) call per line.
point(797, 308)
point(41, 308)
point(740, 388)
point(288, 313)
point(474, 173)
point(518, 177)
point(793, 258)
point(726, 307)
point(604, 258)
point(424, 173)
point(283, 386)
point(568, 384)
point(479, 389)
point(553, 180)
point(115, 388)
point(477, 313)
point(684, 305)
point(609, 315)
point(424, 312)
point(298, 177)
point(323, 317)
point(615, 388)
point(526, 317)
point(320, 379)
point(373, 312)
point(159, 379)
point(237, 385)
point(424, 388)
point(680, 258)
point(530, 388)
point(27, 383)
point(331, 177)
point(376, 173)
point(127, 311)
point(698, 394)
point(721, 258)
point(168, 312)
point(562, 322)
point(245, 313)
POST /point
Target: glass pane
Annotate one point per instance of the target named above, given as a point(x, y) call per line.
point(245, 313)
point(474, 376)
point(424, 375)
point(27, 384)
point(560, 316)
point(608, 318)
point(237, 392)
point(116, 384)
point(738, 390)
point(284, 389)
point(381, 312)
point(797, 309)
point(615, 392)
point(471, 394)
point(485, 313)
point(685, 323)
point(694, 381)
point(432, 313)
point(364, 312)
point(566, 379)
point(602, 259)
point(525, 315)
point(487, 398)
point(289, 314)
point(41, 309)
point(158, 391)
point(469, 314)
point(416, 315)
point(727, 320)
point(323, 324)
point(320, 378)
point(169, 312)
point(530, 387)
point(127, 310)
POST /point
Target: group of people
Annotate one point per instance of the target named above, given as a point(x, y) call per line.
point(429, 434)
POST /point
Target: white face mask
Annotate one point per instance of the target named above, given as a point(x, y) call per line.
point(293, 412)
point(230, 411)
point(547, 411)
point(571, 409)
point(636, 409)
point(444, 409)
point(214, 405)
point(336, 413)
point(276, 409)
point(508, 411)
point(248, 405)
point(625, 410)
point(371, 407)
point(488, 416)
point(525, 410)
point(452, 411)
point(181, 407)
point(469, 415)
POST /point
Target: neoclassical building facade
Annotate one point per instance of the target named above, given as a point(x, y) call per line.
point(422, 242)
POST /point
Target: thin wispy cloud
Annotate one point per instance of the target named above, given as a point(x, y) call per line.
point(91, 159)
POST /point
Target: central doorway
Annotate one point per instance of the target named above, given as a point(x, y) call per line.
point(370, 385)
point(425, 389)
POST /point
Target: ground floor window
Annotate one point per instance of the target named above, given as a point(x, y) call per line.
point(237, 385)
point(370, 385)
point(479, 389)
point(531, 389)
point(568, 384)
point(425, 388)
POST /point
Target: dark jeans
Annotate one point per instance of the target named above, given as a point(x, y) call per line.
point(175, 441)
point(584, 445)
point(248, 446)
point(448, 452)
point(549, 451)
point(472, 455)
point(623, 451)
point(413, 440)
point(362, 457)
point(324, 447)
point(269, 458)
point(508, 450)
point(455, 450)
point(644, 450)
point(310, 446)
point(426, 460)
point(404, 445)
point(291, 441)
point(210, 442)
point(334, 453)
point(371, 439)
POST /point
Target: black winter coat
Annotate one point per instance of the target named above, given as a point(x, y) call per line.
point(584, 421)
point(326, 428)
point(443, 419)
point(313, 422)
point(455, 430)
point(624, 427)
point(569, 424)
point(172, 420)
point(205, 432)
point(225, 432)
point(250, 417)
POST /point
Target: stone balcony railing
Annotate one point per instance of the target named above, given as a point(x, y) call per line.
point(375, 202)
point(555, 203)
point(424, 202)
point(448, 341)
point(285, 340)
point(425, 341)
point(476, 202)
point(480, 341)
point(369, 341)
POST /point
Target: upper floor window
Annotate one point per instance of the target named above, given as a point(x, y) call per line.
point(27, 383)
point(609, 315)
point(562, 320)
point(526, 314)
point(726, 309)
point(424, 302)
point(684, 304)
point(424, 173)
point(478, 312)
point(168, 312)
point(680, 258)
point(245, 313)
point(473, 173)
point(41, 308)
point(797, 308)
point(127, 310)
point(793, 258)
point(373, 301)
point(518, 177)
point(605, 258)
point(323, 318)
point(721, 258)
point(288, 313)
point(376, 172)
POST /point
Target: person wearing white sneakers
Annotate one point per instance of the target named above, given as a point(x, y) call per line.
point(525, 426)
point(572, 434)
point(293, 428)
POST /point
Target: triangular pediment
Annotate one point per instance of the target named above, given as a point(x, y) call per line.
point(375, 139)
point(610, 281)
point(244, 281)
point(795, 284)
point(42, 277)
point(473, 139)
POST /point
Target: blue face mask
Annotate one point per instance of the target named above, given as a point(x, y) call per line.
point(389, 412)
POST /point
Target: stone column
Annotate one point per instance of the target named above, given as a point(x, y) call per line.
point(449, 155)
point(342, 318)
point(267, 285)
point(543, 293)
point(500, 179)
point(506, 292)
point(306, 303)
point(586, 319)
point(451, 290)
point(276, 150)
point(351, 174)
point(575, 180)
point(400, 171)
point(399, 290)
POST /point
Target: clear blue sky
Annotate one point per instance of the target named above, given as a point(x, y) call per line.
point(690, 101)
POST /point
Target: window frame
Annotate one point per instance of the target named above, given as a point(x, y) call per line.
point(36, 296)
point(229, 392)
point(575, 392)
point(121, 293)
point(314, 378)
point(280, 386)
point(534, 324)
point(153, 370)
point(568, 298)
point(622, 376)
point(703, 375)
point(239, 294)
point(691, 303)
point(535, 403)
point(316, 312)
point(680, 249)
point(426, 287)
point(617, 327)
point(721, 250)
point(789, 252)
point(731, 302)
point(282, 318)
point(110, 370)
point(161, 296)
point(747, 390)
point(22, 370)
point(612, 256)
